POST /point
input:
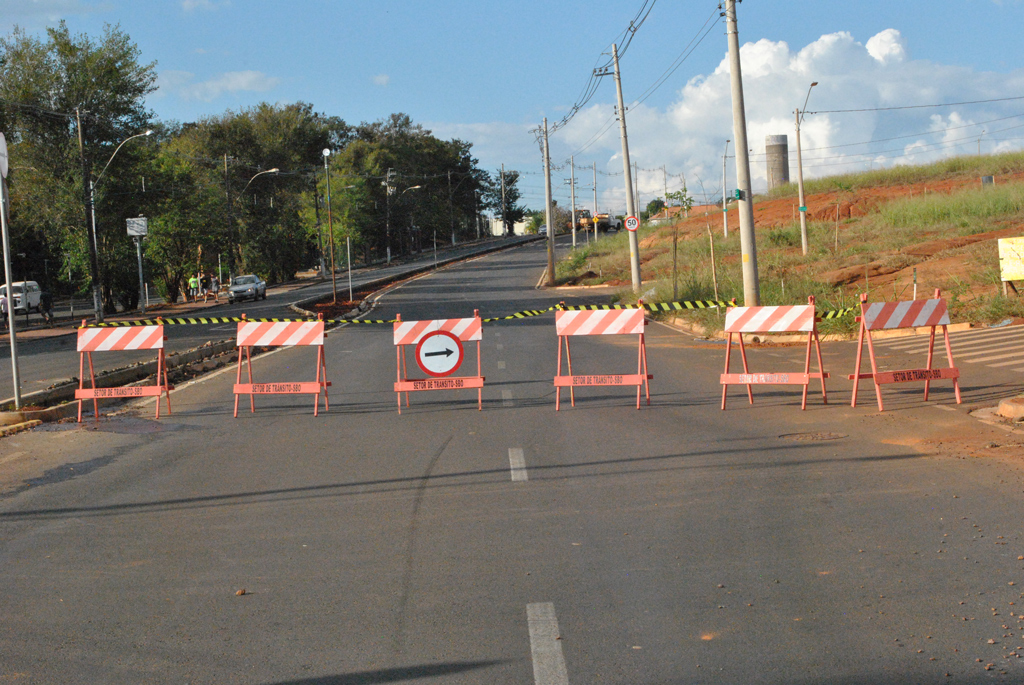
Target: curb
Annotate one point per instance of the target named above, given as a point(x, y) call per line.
point(19, 427)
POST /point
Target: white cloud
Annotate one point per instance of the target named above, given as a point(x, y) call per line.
point(184, 85)
point(208, 5)
point(381, 80)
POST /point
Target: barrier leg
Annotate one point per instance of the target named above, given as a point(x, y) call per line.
point(159, 368)
point(558, 389)
point(81, 381)
point(316, 400)
point(323, 364)
point(807, 370)
point(746, 370)
point(874, 370)
point(479, 372)
point(398, 375)
point(405, 373)
point(821, 366)
point(248, 365)
point(647, 383)
point(728, 353)
point(95, 401)
point(639, 367)
point(931, 356)
point(238, 379)
point(949, 356)
point(568, 359)
point(856, 366)
point(167, 385)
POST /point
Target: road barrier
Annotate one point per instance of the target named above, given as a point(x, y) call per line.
point(281, 334)
point(781, 319)
point(600, 322)
point(437, 341)
point(907, 314)
point(121, 339)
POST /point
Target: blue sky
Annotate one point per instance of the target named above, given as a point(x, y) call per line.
point(488, 71)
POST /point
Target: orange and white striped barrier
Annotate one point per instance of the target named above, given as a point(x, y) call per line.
point(779, 319)
point(600, 322)
point(121, 339)
point(439, 353)
point(282, 334)
point(908, 314)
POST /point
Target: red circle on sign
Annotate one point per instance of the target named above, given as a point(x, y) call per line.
point(632, 223)
point(446, 369)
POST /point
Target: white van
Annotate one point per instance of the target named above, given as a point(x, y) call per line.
point(27, 296)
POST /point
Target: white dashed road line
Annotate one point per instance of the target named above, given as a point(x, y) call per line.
point(501, 365)
point(517, 463)
point(545, 645)
point(506, 398)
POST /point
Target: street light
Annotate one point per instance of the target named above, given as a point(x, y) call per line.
point(800, 172)
point(97, 299)
point(275, 170)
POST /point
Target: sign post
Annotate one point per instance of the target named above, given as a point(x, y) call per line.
point(138, 228)
point(7, 271)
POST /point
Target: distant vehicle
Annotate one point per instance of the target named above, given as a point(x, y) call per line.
point(606, 222)
point(27, 296)
point(248, 287)
point(543, 230)
point(583, 219)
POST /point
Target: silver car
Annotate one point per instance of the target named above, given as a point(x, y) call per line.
point(247, 287)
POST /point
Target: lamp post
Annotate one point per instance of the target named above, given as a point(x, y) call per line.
point(246, 187)
point(97, 299)
point(800, 172)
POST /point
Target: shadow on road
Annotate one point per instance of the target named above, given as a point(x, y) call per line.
point(393, 675)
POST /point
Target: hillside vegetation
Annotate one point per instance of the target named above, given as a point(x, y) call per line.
point(873, 233)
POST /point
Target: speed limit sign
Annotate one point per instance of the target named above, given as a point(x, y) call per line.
point(632, 223)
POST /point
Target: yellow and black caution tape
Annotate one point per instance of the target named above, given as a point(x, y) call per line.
point(525, 314)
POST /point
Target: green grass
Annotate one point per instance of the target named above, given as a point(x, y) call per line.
point(968, 208)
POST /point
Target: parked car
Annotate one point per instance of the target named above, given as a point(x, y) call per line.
point(543, 230)
point(249, 287)
point(27, 296)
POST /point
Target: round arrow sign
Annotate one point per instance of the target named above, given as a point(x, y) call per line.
point(439, 353)
point(632, 223)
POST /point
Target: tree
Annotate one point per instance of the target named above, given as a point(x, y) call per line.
point(653, 207)
point(42, 84)
point(681, 198)
point(512, 212)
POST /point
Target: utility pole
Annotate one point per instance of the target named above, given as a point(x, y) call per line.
point(800, 173)
point(725, 197)
point(330, 226)
point(15, 372)
point(547, 208)
point(748, 246)
point(90, 218)
point(451, 211)
point(387, 210)
point(594, 215)
point(476, 212)
point(664, 180)
point(634, 245)
point(636, 188)
point(572, 194)
point(319, 225)
point(230, 225)
point(504, 226)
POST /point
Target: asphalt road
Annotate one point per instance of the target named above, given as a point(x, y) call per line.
point(46, 361)
point(598, 544)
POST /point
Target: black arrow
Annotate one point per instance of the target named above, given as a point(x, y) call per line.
point(446, 353)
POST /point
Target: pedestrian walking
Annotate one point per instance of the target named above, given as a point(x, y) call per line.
point(204, 285)
point(193, 288)
point(46, 307)
point(3, 306)
point(215, 287)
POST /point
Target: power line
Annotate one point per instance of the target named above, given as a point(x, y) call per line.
point(889, 109)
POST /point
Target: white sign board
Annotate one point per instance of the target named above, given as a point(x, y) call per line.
point(138, 226)
point(439, 353)
point(632, 223)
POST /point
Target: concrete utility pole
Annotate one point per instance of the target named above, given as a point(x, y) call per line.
point(547, 208)
point(15, 372)
point(451, 209)
point(636, 188)
point(330, 226)
point(664, 180)
point(634, 245)
point(572, 194)
point(725, 197)
point(748, 246)
point(504, 226)
point(800, 173)
point(90, 218)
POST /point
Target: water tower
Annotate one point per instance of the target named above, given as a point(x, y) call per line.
point(777, 156)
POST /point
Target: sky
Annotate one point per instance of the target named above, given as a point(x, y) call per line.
point(489, 72)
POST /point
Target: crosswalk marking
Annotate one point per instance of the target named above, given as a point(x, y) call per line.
point(1003, 346)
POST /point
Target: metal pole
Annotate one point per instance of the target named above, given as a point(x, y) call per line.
point(451, 210)
point(348, 260)
point(504, 226)
point(15, 375)
point(548, 217)
point(725, 198)
point(142, 282)
point(90, 224)
point(634, 245)
point(594, 215)
point(330, 229)
point(748, 246)
point(800, 186)
point(572, 194)
point(319, 225)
